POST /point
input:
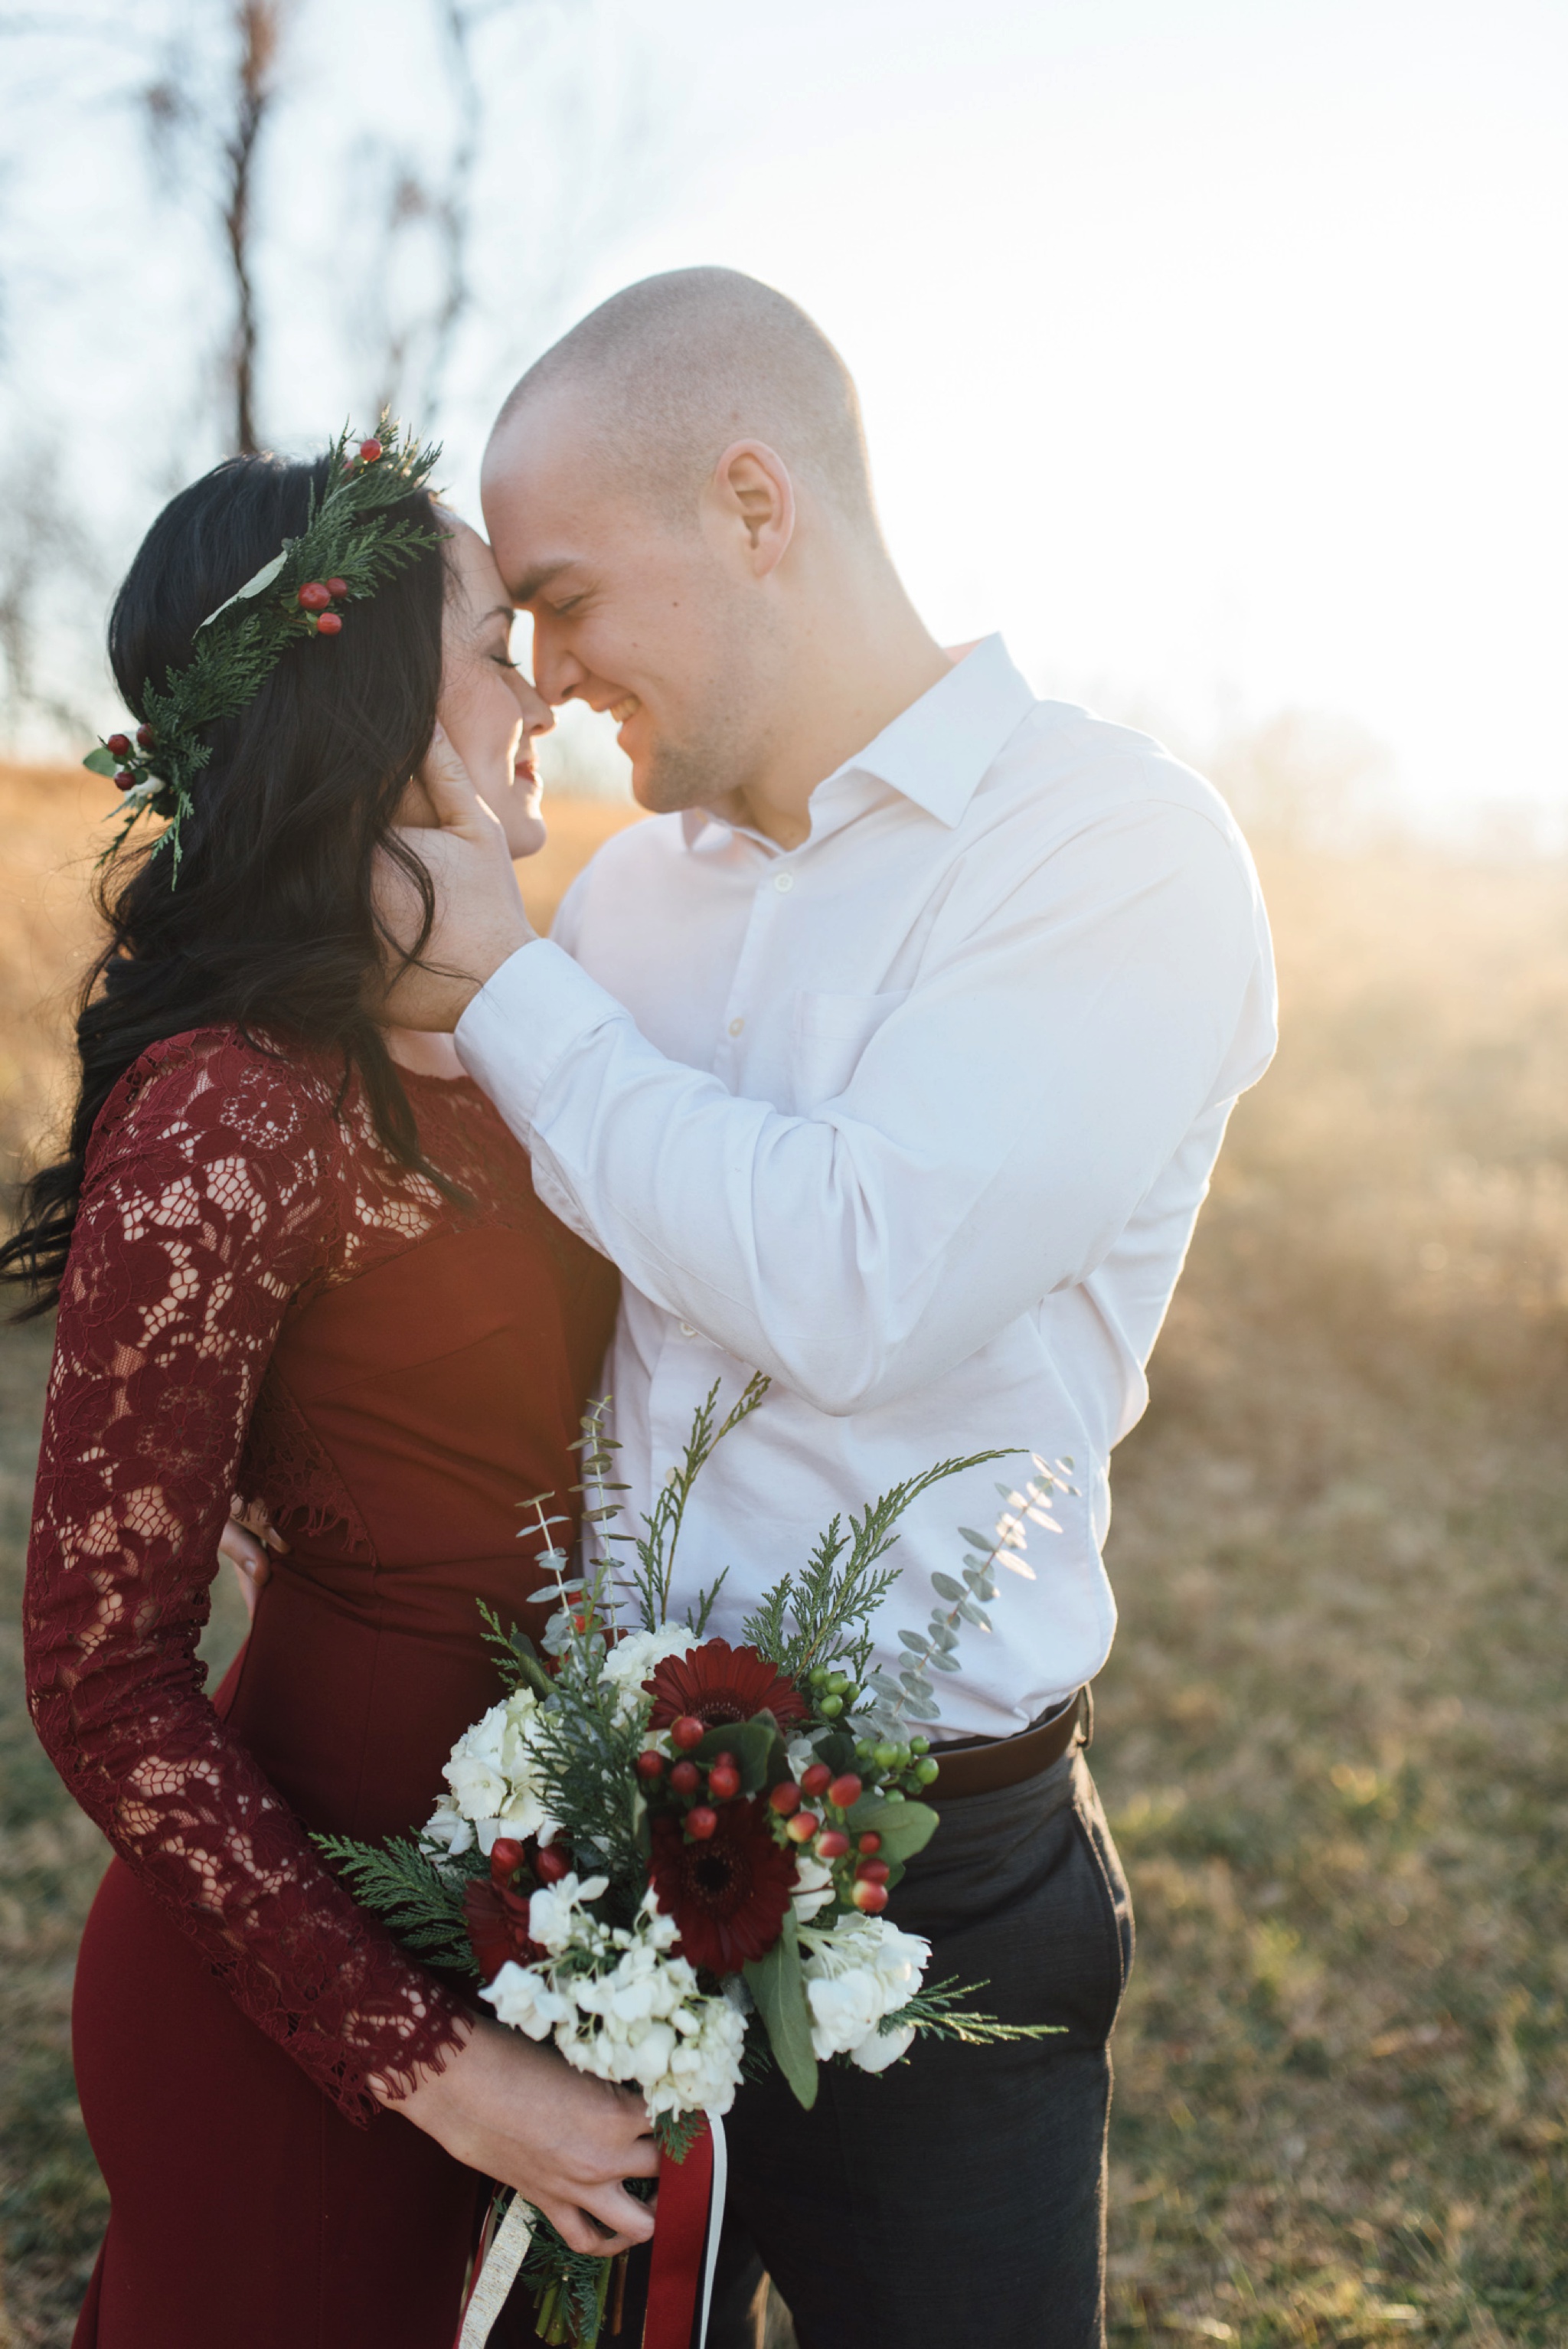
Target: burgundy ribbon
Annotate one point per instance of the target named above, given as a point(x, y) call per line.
point(686, 2193)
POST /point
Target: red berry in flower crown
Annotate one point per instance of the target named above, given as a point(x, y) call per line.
point(785, 1797)
point(724, 1784)
point(551, 1863)
point(832, 1845)
point(844, 1791)
point(802, 1827)
point(118, 745)
point(336, 588)
point(145, 737)
point(871, 1841)
point(313, 597)
point(873, 1871)
point(371, 450)
point(506, 1858)
point(701, 1823)
point(124, 779)
point(869, 1899)
point(686, 1733)
point(815, 1779)
point(650, 1764)
point(685, 1777)
point(330, 624)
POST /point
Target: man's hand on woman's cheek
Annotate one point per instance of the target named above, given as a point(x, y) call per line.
point(479, 921)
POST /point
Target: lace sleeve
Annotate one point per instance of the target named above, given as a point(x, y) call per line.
point(210, 1196)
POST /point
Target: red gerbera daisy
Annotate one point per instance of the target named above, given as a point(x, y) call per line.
point(727, 1894)
point(719, 1684)
point(496, 1920)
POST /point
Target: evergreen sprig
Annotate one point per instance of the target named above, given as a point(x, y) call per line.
point(937, 2012)
point(814, 1619)
point(421, 1899)
point(653, 1577)
point(348, 535)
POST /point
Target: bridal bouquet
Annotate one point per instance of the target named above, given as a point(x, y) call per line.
point(671, 1855)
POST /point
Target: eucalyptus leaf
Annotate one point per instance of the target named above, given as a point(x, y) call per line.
point(253, 586)
point(944, 1639)
point(778, 1987)
point(102, 761)
point(946, 1586)
point(916, 1641)
point(973, 1614)
point(945, 1663)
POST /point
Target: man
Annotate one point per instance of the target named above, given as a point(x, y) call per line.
point(891, 1060)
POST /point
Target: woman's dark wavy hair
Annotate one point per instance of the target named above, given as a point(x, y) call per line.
point(272, 925)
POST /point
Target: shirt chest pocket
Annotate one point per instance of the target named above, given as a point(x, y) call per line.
point(830, 1034)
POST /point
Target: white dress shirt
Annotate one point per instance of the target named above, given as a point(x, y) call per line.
point(915, 1117)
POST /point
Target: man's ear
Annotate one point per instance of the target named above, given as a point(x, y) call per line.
point(751, 497)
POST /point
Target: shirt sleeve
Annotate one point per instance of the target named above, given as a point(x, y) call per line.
point(996, 1136)
point(209, 1199)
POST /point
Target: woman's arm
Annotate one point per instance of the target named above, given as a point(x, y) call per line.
point(210, 1197)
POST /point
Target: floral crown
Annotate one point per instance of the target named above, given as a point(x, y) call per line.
point(349, 546)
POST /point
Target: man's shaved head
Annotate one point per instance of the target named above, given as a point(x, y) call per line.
point(669, 373)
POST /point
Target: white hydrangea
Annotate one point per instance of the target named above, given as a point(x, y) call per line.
point(813, 1885)
point(864, 1968)
point(633, 1660)
point(492, 1788)
point(633, 2013)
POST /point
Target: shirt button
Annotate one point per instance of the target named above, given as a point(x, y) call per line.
point(687, 1330)
point(736, 1026)
point(783, 883)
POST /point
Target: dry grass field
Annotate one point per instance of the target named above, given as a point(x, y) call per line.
point(1332, 1735)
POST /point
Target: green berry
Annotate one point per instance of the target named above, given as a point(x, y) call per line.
point(837, 1683)
point(829, 1707)
point(919, 1744)
point(893, 1795)
point(927, 1771)
point(885, 1756)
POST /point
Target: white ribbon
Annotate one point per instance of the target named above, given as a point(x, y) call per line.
point(509, 2249)
point(498, 2273)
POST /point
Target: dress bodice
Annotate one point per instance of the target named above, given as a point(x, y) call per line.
point(261, 1301)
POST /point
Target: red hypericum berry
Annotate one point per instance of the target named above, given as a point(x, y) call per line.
point(336, 588)
point(700, 1822)
point(873, 1871)
point(145, 737)
point(118, 746)
point(506, 1857)
point(650, 1764)
point(124, 779)
point(785, 1797)
point(844, 1791)
point(330, 624)
point(685, 1777)
point(802, 1827)
point(723, 1785)
point(553, 1864)
point(371, 450)
point(832, 1845)
point(313, 597)
point(687, 1732)
point(871, 1841)
point(816, 1779)
point(869, 1897)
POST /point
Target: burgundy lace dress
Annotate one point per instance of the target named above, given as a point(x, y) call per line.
point(260, 1303)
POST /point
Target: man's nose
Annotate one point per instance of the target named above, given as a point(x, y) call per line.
point(557, 672)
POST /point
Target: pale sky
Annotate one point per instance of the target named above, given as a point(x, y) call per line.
point(1212, 349)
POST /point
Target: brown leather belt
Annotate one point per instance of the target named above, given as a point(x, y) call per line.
point(984, 1765)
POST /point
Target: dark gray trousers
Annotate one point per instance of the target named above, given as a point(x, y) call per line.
point(957, 2201)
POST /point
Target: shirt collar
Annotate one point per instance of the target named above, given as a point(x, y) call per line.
point(935, 752)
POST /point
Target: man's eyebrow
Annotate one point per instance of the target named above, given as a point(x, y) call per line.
point(537, 581)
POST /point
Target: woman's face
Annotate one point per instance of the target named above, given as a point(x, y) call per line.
point(489, 710)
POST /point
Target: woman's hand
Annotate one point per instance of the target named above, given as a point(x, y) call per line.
point(520, 2114)
point(479, 921)
point(244, 1543)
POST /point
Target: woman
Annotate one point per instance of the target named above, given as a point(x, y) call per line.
point(299, 1260)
